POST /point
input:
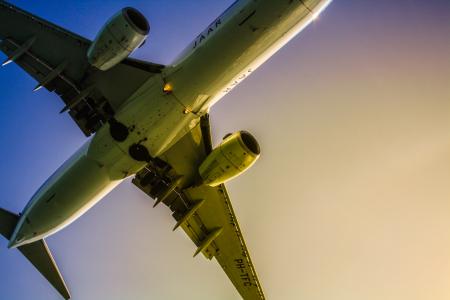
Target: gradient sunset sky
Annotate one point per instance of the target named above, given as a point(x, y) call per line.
point(349, 201)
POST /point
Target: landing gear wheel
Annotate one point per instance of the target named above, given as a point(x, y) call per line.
point(119, 131)
point(139, 153)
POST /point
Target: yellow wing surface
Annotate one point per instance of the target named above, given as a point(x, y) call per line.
point(205, 213)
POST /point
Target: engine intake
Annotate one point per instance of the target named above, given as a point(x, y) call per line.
point(236, 153)
point(121, 35)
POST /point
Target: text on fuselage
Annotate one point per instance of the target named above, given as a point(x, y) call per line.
point(204, 35)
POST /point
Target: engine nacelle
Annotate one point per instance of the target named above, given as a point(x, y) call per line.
point(236, 153)
point(121, 35)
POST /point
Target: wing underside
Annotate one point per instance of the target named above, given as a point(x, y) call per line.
point(204, 213)
point(56, 59)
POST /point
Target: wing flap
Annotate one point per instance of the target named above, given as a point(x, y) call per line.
point(204, 213)
point(229, 247)
point(57, 59)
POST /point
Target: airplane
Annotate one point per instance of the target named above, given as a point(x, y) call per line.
point(149, 122)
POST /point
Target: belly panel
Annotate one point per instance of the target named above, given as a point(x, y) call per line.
point(155, 117)
point(235, 45)
point(70, 191)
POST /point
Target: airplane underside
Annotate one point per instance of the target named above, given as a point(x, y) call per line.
point(149, 122)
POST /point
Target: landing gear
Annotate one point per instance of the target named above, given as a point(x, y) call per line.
point(119, 131)
point(139, 153)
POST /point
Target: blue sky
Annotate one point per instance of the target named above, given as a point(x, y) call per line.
point(350, 197)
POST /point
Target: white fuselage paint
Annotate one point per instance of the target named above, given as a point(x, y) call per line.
point(226, 53)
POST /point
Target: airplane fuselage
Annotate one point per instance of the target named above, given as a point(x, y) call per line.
point(165, 108)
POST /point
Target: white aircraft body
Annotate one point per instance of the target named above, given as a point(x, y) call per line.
point(148, 121)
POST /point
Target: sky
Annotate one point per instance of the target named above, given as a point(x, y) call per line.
point(350, 199)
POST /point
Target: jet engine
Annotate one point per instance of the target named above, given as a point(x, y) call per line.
point(121, 35)
point(236, 153)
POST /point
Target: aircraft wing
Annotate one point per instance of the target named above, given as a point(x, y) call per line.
point(57, 59)
point(205, 213)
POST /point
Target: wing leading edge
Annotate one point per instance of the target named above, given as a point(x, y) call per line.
point(56, 58)
point(205, 213)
